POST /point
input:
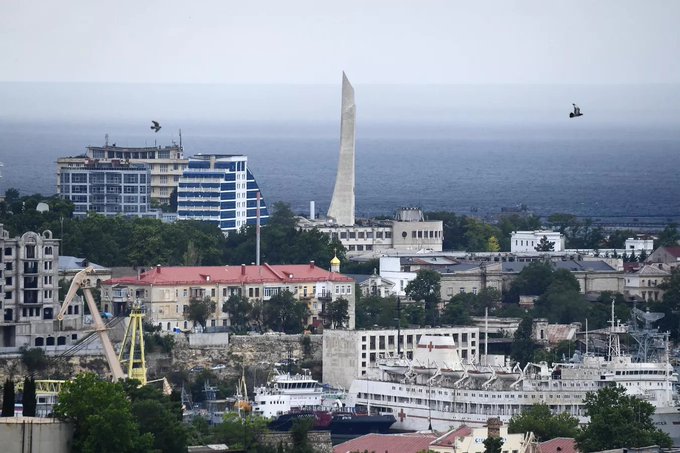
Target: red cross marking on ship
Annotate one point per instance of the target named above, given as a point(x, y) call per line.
point(430, 346)
point(401, 415)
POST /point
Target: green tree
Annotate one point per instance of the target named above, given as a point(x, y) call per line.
point(337, 312)
point(34, 359)
point(238, 307)
point(544, 424)
point(201, 309)
point(299, 435)
point(618, 420)
point(544, 245)
point(240, 433)
point(8, 399)
point(493, 445)
point(101, 415)
point(426, 287)
point(457, 312)
point(669, 236)
point(285, 314)
point(493, 245)
point(532, 280)
point(375, 311)
point(159, 416)
point(29, 399)
point(523, 346)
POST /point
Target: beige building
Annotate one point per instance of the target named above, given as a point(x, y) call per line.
point(165, 163)
point(350, 354)
point(165, 292)
point(642, 281)
point(409, 231)
point(471, 440)
point(29, 283)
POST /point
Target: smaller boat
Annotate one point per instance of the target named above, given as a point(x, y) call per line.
point(394, 364)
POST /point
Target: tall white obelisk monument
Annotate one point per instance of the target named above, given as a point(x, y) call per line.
point(341, 210)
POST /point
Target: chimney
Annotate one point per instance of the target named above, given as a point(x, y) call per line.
point(311, 264)
point(493, 426)
point(158, 268)
point(243, 269)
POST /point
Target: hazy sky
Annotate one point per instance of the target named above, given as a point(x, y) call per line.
point(391, 41)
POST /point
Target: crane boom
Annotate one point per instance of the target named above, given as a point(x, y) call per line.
point(80, 281)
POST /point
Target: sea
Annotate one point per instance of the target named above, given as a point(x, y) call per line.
point(598, 169)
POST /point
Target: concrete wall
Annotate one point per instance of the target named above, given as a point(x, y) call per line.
point(35, 435)
point(320, 441)
point(203, 340)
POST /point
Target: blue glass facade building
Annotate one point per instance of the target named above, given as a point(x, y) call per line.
point(219, 188)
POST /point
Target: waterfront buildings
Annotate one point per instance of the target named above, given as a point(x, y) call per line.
point(219, 188)
point(166, 292)
point(30, 292)
point(107, 187)
point(165, 165)
point(349, 354)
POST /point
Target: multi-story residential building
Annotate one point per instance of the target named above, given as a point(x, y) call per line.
point(409, 231)
point(30, 291)
point(108, 187)
point(642, 281)
point(527, 241)
point(220, 188)
point(666, 257)
point(165, 165)
point(349, 354)
point(166, 292)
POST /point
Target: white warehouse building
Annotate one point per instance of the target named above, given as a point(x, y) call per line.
point(526, 241)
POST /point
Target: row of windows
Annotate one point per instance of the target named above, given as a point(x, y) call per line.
point(362, 235)
point(29, 252)
point(420, 234)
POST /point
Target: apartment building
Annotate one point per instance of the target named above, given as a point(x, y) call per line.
point(165, 165)
point(30, 292)
point(219, 188)
point(165, 292)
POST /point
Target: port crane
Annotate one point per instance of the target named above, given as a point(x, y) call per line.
point(132, 351)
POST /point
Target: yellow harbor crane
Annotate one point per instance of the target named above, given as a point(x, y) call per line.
point(132, 350)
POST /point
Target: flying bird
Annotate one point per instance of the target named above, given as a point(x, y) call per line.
point(156, 127)
point(576, 112)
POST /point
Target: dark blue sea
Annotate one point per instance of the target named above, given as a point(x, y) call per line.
point(605, 172)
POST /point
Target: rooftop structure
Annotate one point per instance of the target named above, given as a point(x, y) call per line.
point(341, 211)
point(219, 188)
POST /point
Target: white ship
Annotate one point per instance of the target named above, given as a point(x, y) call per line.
point(440, 392)
point(286, 392)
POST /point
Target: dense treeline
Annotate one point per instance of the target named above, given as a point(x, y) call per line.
point(558, 299)
point(131, 241)
point(123, 241)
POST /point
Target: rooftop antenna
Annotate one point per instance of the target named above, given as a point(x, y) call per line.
point(106, 140)
point(257, 231)
point(180, 139)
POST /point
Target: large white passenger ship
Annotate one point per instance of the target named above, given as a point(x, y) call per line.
point(437, 390)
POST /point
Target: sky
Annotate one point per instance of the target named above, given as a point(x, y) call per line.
point(311, 42)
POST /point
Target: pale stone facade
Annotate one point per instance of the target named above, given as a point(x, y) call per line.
point(350, 354)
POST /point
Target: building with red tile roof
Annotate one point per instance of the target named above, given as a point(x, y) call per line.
point(558, 445)
point(387, 443)
point(166, 291)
